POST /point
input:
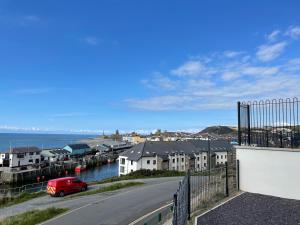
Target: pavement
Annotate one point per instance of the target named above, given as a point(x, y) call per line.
point(254, 209)
point(109, 208)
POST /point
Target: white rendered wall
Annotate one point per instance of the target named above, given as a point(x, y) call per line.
point(270, 171)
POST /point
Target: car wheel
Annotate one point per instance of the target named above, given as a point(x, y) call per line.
point(61, 194)
point(83, 189)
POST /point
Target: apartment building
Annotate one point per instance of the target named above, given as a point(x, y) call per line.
point(174, 155)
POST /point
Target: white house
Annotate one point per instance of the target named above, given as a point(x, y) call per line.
point(24, 156)
point(54, 155)
point(4, 157)
point(174, 155)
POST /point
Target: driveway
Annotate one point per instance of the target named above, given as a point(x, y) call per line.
point(250, 209)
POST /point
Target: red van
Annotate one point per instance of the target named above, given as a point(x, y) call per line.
point(66, 185)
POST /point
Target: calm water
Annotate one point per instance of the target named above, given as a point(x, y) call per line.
point(38, 140)
point(100, 173)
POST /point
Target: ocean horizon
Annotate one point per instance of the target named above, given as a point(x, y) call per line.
point(39, 140)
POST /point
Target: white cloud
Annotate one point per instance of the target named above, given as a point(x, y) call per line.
point(90, 40)
point(225, 78)
point(71, 114)
point(232, 54)
point(293, 32)
point(252, 70)
point(273, 35)
point(267, 53)
point(160, 81)
point(230, 75)
point(190, 68)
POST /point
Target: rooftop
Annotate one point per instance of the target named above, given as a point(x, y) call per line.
point(164, 148)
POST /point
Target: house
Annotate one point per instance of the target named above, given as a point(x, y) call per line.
point(24, 156)
point(4, 160)
point(78, 149)
point(174, 155)
point(54, 155)
point(134, 139)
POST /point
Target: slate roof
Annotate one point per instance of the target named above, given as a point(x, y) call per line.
point(165, 148)
point(78, 146)
point(24, 150)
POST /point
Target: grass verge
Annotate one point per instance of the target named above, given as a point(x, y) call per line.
point(5, 202)
point(32, 217)
point(141, 174)
point(112, 187)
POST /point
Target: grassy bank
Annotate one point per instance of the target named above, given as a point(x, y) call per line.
point(32, 217)
point(112, 187)
point(142, 174)
point(4, 202)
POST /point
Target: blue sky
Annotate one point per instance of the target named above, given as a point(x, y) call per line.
point(88, 66)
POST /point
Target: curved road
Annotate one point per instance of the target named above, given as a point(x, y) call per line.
point(110, 208)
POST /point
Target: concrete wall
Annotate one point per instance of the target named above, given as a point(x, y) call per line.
point(270, 171)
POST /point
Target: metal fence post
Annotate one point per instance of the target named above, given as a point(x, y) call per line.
point(239, 123)
point(249, 125)
point(189, 195)
point(175, 210)
point(238, 174)
point(226, 173)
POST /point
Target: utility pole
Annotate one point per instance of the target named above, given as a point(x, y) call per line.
point(209, 157)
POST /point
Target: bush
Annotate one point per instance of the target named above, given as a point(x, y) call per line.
point(140, 174)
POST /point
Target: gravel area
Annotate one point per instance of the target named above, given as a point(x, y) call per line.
point(254, 209)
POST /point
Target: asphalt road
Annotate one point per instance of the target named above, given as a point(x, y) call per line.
point(118, 207)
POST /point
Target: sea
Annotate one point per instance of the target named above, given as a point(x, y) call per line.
point(41, 141)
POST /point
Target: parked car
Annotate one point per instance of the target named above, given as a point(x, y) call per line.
point(66, 185)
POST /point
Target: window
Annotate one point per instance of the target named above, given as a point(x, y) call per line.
point(173, 160)
point(131, 162)
point(148, 161)
point(221, 156)
point(225, 156)
point(30, 160)
point(154, 162)
point(20, 155)
point(182, 167)
point(173, 168)
point(198, 166)
point(30, 153)
point(177, 160)
point(217, 157)
point(198, 158)
point(204, 164)
point(122, 161)
point(182, 159)
point(122, 169)
point(131, 170)
point(204, 157)
point(218, 163)
point(37, 153)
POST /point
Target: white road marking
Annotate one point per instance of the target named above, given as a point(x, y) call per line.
point(145, 216)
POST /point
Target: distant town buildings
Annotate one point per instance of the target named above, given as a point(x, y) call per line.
point(174, 155)
point(134, 139)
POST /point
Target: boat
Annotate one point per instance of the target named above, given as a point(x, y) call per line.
point(80, 168)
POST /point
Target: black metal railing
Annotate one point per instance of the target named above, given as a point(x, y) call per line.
point(197, 191)
point(269, 123)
